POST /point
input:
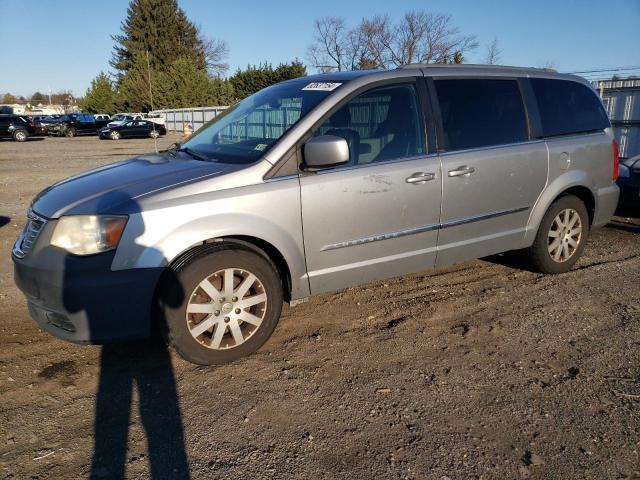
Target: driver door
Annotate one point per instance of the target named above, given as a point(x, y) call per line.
point(377, 216)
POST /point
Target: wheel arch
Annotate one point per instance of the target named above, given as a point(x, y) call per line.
point(571, 183)
point(254, 244)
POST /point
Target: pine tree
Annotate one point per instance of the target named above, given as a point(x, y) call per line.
point(101, 96)
point(185, 85)
point(162, 28)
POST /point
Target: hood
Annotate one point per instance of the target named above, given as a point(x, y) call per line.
point(114, 188)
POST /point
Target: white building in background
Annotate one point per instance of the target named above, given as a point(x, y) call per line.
point(15, 108)
point(39, 109)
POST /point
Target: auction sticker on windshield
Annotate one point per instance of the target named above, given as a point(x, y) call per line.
point(324, 86)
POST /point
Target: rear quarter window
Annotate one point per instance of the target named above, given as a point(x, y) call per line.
point(568, 107)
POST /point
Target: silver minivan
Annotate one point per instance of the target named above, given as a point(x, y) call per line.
point(313, 185)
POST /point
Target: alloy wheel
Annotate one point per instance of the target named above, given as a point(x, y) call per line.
point(564, 235)
point(226, 308)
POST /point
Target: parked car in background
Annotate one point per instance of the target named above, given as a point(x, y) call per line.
point(133, 129)
point(155, 118)
point(102, 116)
point(73, 124)
point(357, 176)
point(121, 118)
point(40, 128)
point(629, 179)
point(17, 127)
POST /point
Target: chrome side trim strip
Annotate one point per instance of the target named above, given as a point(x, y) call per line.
point(416, 230)
point(382, 236)
point(484, 216)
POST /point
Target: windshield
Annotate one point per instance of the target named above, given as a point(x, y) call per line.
point(246, 131)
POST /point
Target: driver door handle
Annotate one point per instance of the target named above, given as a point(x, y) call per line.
point(420, 177)
point(464, 170)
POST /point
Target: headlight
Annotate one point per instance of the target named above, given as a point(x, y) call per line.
point(88, 234)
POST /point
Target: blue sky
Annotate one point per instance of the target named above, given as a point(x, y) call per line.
point(64, 44)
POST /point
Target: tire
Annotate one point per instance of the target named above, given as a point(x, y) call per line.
point(70, 132)
point(154, 134)
point(115, 135)
point(20, 136)
point(244, 328)
point(544, 254)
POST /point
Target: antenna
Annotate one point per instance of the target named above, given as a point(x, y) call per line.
point(155, 137)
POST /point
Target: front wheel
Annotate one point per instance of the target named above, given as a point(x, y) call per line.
point(561, 237)
point(20, 136)
point(222, 305)
point(115, 135)
point(70, 132)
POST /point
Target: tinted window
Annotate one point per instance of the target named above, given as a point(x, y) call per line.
point(382, 124)
point(481, 113)
point(568, 107)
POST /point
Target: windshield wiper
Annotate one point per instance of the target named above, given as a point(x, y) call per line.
point(194, 154)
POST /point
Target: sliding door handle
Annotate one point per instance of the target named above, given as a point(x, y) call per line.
point(464, 170)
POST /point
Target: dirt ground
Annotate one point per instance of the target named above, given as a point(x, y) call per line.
point(481, 370)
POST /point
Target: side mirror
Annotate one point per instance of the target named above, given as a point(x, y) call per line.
point(325, 151)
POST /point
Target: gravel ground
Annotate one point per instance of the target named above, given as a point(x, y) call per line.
point(480, 370)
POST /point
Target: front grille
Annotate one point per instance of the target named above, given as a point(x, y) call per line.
point(29, 235)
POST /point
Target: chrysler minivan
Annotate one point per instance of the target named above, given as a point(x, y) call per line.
point(313, 185)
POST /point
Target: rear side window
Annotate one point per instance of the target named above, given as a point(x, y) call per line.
point(481, 113)
point(568, 107)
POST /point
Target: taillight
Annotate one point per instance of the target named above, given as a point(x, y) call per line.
point(614, 146)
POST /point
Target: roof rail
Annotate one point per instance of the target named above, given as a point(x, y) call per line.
point(473, 65)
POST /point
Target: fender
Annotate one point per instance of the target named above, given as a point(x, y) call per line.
point(149, 244)
point(572, 178)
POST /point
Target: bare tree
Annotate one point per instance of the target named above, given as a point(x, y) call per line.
point(419, 37)
point(494, 54)
point(215, 53)
point(331, 40)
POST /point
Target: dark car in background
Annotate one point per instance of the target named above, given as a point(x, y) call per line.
point(39, 122)
point(629, 179)
point(17, 127)
point(133, 129)
point(73, 124)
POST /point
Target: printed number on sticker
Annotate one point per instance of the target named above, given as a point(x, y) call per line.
point(324, 86)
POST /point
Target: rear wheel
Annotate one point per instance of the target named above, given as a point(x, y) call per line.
point(229, 305)
point(20, 136)
point(70, 132)
point(561, 237)
point(154, 134)
point(115, 135)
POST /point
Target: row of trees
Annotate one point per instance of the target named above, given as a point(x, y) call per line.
point(162, 60)
point(181, 85)
point(38, 97)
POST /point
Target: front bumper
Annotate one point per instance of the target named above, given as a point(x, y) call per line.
point(80, 299)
